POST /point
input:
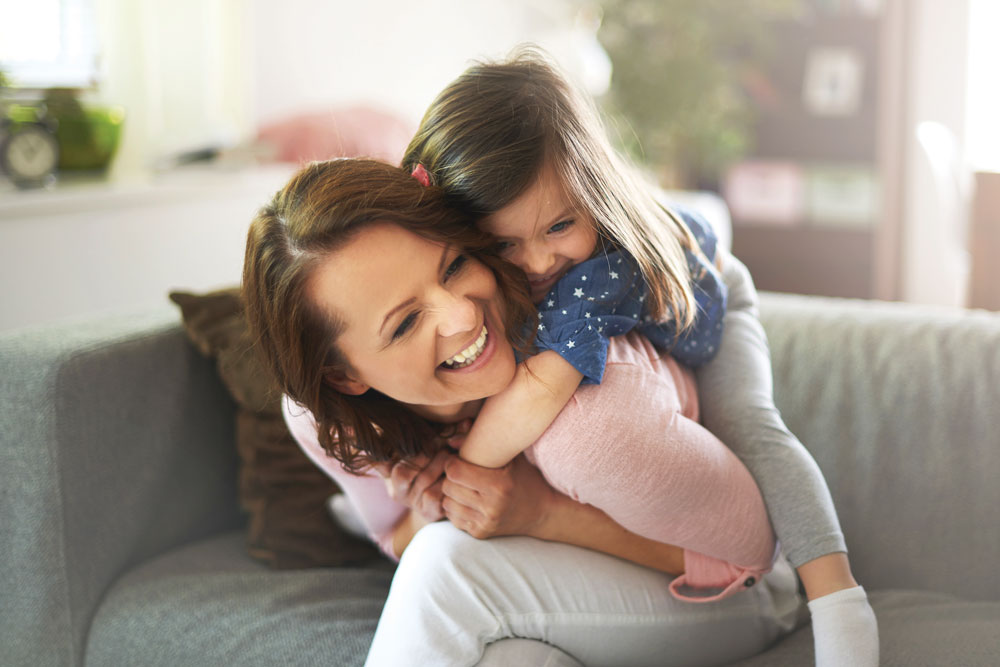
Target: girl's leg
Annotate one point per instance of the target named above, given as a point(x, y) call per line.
point(453, 595)
point(737, 405)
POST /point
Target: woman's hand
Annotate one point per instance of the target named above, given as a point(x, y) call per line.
point(417, 483)
point(516, 500)
point(489, 502)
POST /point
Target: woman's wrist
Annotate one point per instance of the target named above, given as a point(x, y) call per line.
point(555, 513)
point(566, 520)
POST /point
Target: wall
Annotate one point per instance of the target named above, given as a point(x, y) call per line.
point(81, 251)
point(193, 73)
point(390, 54)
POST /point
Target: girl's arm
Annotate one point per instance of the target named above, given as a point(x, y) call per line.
point(514, 419)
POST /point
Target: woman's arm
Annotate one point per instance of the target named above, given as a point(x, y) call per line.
point(514, 419)
point(516, 500)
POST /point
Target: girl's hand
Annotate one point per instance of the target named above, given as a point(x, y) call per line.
point(417, 483)
point(489, 502)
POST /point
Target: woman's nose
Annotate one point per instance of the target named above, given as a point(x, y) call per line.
point(457, 315)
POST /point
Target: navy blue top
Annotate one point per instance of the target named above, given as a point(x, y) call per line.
point(604, 297)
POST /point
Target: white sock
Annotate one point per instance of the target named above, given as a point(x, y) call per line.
point(346, 516)
point(844, 629)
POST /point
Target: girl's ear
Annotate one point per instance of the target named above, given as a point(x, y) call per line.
point(345, 384)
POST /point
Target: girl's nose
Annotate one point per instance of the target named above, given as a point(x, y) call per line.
point(457, 315)
point(535, 259)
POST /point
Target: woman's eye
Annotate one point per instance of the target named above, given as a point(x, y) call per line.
point(502, 247)
point(560, 226)
point(455, 266)
point(404, 326)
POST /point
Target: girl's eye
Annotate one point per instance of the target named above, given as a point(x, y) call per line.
point(502, 247)
point(455, 266)
point(405, 325)
point(560, 226)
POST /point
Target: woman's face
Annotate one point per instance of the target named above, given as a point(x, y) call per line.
point(422, 321)
point(543, 233)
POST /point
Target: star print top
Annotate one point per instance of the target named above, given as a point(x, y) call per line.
point(605, 297)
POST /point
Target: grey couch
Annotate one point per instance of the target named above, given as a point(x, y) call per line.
point(122, 543)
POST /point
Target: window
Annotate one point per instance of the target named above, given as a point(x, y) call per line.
point(50, 43)
point(983, 99)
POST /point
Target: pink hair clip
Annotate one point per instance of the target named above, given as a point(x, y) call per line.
point(421, 175)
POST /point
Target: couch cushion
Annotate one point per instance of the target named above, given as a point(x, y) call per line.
point(916, 629)
point(210, 604)
point(900, 405)
point(279, 487)
point(114, 446)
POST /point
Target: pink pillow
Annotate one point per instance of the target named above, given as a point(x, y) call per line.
point(348, 132)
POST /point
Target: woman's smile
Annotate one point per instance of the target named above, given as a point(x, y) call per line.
point(469, 355)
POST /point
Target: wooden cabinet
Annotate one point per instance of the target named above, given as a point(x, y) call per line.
point(828, 107)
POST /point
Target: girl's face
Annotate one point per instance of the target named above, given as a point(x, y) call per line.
point(543, 232)
point(422, 321)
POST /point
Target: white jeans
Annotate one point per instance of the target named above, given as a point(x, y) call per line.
point(454, 597)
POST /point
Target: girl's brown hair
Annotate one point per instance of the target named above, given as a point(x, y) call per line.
point(487, 136)
point(320, 210)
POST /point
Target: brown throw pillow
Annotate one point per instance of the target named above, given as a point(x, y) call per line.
point(283, 492)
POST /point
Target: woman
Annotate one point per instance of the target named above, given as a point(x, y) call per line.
point(361, 283)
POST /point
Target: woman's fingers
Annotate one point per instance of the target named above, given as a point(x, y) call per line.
point(460, 493)
point(426, 489)
point(487, 482)
point(416, 483)
point(465, 517)
point(499, 501)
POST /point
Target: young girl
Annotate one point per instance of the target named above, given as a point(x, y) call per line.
point(594, 292)
point(501, 129)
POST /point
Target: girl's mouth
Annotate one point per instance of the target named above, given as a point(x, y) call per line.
point(540, 286)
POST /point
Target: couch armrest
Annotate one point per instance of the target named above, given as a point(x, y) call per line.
point(116, 442)
point(900, 405)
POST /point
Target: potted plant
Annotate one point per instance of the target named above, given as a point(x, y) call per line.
point(677, 90)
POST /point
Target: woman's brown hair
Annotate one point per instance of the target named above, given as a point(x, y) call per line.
point(487, 136)
point(318, 211)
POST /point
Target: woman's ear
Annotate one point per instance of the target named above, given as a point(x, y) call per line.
point(345, 384)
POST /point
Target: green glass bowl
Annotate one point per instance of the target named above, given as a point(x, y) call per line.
point(89, 142)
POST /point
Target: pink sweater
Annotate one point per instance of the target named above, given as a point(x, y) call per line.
point(631, 446)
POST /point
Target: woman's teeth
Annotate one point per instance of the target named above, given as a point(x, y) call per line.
point(469, 354)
